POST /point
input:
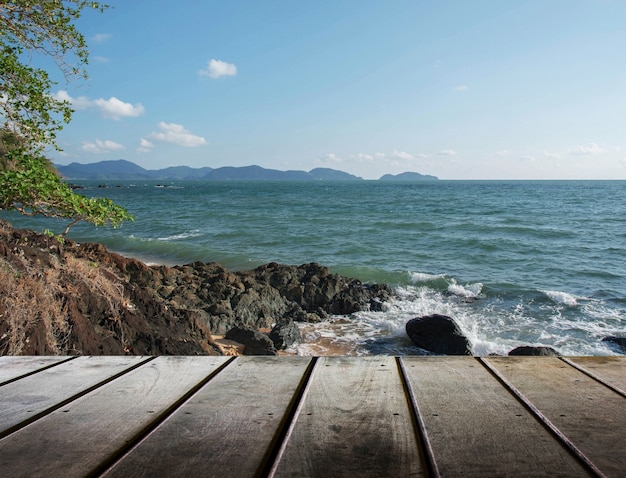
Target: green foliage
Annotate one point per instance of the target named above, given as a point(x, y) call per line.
point(32, 116)
point(43, 27)
point(34, 189)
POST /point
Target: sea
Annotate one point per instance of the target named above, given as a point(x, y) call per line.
point(513, 262)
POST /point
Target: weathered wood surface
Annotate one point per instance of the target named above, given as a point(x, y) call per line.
point(462, 404)
point(355, 417)
point(606, 369)
point(18, 366)
point(226, 429)
point(37, 394)
point(590, 414)
point(83, 435)
point(309, 417)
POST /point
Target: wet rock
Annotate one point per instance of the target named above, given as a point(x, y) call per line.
point(536, 351)
point(285, 334)
point(438, 334)
point(255, 342)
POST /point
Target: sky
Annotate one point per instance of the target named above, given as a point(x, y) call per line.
point(481, 89)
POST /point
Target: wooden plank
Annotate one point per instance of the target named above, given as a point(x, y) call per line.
point(477, 428)
point(589, 414)
point(355, 421)
point(611, 370)
point(81, 437)
point(227, 428)
point(28, 398)
point(12, 367)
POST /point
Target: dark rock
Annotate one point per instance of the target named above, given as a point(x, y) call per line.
point(619, 341)
point(166, 310)
point(102, 309)
point(534, 351)
point(255, 342)
point(438, 334)
point(285, 334)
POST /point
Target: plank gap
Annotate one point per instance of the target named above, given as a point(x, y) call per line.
point(33, 372)
point(594, 376)
point(426, 452)
point(285, 429)
point(560, 436)
point(82, 393)
point(143, 434)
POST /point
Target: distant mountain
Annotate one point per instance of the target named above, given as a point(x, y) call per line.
point(180, 172)
point(122, 170)
point(247, 173)
point(408, 176)
point(109, 170)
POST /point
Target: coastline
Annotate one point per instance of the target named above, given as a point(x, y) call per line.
point(65, 298)
point(102, 302)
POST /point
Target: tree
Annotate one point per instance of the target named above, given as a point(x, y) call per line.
point(32, 116)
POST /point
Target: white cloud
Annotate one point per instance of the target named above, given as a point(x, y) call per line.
point(112, 108)
point(117, 109)
point(363, 157)
point(331, 158)
point(218, 68)
point(80, 103)
point(503, 152)
point(101, 37)
point(447, 152)
point(101, 59)
point(144, 146)
point(592, 149)
point(176, 134)
point(551, 155)
point(401, 155)
point(461, 88)
point(144, 143)
point(98, 146)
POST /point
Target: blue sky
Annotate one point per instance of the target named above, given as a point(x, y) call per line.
point(481, 89)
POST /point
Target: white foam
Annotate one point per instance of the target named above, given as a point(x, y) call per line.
point(181, 236)
point(561, 297)
point(424, 277)
point(491, 325)
point(467, 291)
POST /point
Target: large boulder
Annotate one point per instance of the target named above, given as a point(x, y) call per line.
point(439, 335)
point(535, 351)
point(285, 334)
point(255, 342)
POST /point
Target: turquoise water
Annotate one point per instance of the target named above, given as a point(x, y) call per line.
point(514, 262)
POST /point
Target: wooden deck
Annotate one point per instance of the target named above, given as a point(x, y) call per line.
point(312, 417)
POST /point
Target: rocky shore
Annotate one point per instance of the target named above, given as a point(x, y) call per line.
point(60, 297)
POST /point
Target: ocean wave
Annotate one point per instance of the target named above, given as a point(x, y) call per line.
point(469, 291)
point(416, 277)
point(494, 325)
point(181, 236)
point(562, 297)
